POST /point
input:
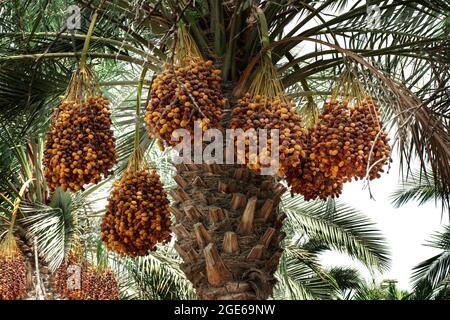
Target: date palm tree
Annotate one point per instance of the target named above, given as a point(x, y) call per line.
point(311, 228)
point(311, 43)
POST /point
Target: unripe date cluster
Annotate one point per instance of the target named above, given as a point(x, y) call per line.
point(137, 216)
point(182, 95)
point(80, 147)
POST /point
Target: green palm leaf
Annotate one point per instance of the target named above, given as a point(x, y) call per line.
point(53, 226)
point(158, 276)
point(343, 229)
point(420, 187)
point(436, 270)
point(300, 277)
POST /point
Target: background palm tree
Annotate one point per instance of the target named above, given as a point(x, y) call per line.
point(386, 290)
point(430, 277)
point(37, 59)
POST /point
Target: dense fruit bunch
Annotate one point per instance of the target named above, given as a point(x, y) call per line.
point(259, 112)
point(309, 181)
point(332, 141)
point(343, 139)
point(182, 95)
point(372, 140)
point(76, 280)
point(12, 276)
point(137, 215)
point(339, 149)
point(69, 277)
point(80, 146)
point(100, 285)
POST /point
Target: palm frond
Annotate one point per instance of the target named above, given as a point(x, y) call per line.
point(343, 229)
point(300, 277)
point(53, 226)
point(158, 276)
point(346, 278)
point(420, 187)
point(436, 270)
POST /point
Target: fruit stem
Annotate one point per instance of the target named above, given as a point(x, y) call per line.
point(87, 41)
point(266, 80)
point(186, 50)
point(138, 106)
point(263, 29)
point(17, 204)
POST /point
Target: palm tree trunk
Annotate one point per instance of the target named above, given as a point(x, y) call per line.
point(40, 284)
point(227, 228)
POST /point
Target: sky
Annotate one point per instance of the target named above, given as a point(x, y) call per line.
point(406, 229)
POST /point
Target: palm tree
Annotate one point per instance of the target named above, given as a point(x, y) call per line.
point(386, 290)
point(36, 63)
point(312, 228)
point(432, 277)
